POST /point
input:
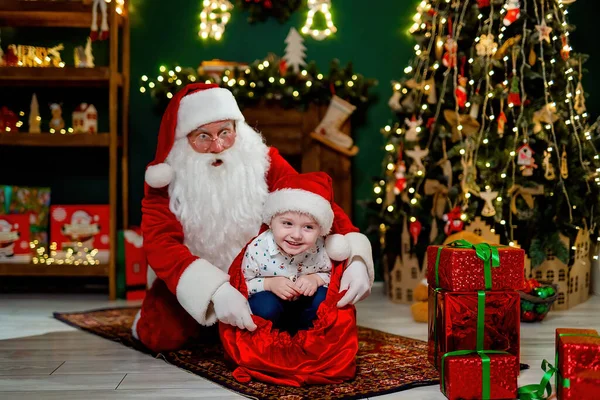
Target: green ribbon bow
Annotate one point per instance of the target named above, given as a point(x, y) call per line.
point(484, 251)
point(566, 382)
point(485, 368)
point(536, 391)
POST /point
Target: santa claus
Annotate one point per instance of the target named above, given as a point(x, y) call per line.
point(204, 197)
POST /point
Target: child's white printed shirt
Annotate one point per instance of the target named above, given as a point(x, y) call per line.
point(263, 258)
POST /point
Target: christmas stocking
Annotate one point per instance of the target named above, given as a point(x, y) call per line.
point(338, 112)
point(513, 12)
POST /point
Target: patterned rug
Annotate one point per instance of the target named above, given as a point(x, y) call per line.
point(386, 363)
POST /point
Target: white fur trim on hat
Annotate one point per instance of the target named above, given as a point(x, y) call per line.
point(203, 107)
point(159, 175)
point(196, 287)
point(303, 201)
point(337, 247)
point(361, 247)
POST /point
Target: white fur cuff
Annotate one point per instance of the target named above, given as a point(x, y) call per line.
point(361, 247)
point(196, 286)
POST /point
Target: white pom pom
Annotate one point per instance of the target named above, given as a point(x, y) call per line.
point(337, 247)
point(159, 175)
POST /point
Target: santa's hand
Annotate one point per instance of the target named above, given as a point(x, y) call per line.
point(232, 308)
point(356, 281)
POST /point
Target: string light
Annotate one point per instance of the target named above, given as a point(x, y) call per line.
point(315, 6)
point(213, 18)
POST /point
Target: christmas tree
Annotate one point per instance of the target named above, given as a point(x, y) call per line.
point(491, 123)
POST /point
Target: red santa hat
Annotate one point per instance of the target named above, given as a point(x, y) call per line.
point(193, 106)
point(312, 194)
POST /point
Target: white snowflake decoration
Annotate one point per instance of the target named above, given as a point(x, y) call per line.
point(486, 46)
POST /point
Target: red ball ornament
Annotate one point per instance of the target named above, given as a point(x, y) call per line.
point(415, 230)
point(528, 316)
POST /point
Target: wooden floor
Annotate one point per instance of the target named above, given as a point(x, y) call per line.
point(41, 358)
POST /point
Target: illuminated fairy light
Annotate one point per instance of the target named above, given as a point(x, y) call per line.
point(315, 6)
point(213, 18)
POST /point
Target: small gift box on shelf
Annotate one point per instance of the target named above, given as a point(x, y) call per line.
point(473, 320)
point(34, 201)
point(81, 229)
point(462, 266)
point(14, 238)
point(577, 356)
point(486, 374)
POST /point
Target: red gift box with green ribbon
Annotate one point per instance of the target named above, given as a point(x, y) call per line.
point(462, 267)
point(485, 374)
point(473, 321)
point(577, 355)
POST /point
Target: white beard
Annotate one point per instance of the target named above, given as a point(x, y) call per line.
point(220, 208)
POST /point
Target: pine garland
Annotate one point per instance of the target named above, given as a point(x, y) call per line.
point(261, 10)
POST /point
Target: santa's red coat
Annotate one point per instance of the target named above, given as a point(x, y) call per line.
point(186, 282)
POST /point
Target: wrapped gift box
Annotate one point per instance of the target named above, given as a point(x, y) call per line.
point(578, 352)
point(460, 269)
point(453, 323)
point(463, 376)
point(34, 201)
point(14, 238)
point(583, 386)
point(81, 228)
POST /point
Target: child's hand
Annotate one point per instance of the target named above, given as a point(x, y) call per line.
point(307, 284)
point(282, 287)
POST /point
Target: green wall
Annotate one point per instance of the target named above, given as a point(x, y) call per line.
point(372, 35)
point(374, 39)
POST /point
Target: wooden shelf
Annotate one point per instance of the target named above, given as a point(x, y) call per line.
point(54, 140)
point(351, 152)
point(15, 269)
point(47, 14)
point(51, 76)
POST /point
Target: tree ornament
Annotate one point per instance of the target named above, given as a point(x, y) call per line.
point(295, 55)
point(414, 127)
point(527, 305)
point(502, 120)
point(449, 58)
point(400, 175)
point(57, 123)
point(439, 42)
point(415, 230)
point(426, 86)
point(488, 208)
point(549, 173)
point(525, 160)
point(213, 18)
point(510, 42)
point(417, 154)
point(454, 223)
point(541, 308)
point(34, 116)
point(439, 192)
point(564, 168)
point(513, 12)
point(544, 31)
point(394, 101)
point(475, 104)
point(532, 56)
point(514, 95)
point(545, 115)
point(468, 183)
point(103, 25)
point(461, 92)
point(322, 6)
point(486, 47)
point(527, 194)
point(468, 125)
point(579, 105)
point(565, 50)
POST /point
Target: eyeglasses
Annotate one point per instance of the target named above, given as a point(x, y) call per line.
point(226, 138)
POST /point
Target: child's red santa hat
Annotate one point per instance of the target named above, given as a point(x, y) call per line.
point(193, 106)
point(310, 193)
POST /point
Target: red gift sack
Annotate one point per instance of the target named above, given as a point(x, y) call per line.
point(323, 354)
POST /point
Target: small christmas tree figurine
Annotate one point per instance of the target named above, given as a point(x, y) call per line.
point(34, 116)
point(294, 51)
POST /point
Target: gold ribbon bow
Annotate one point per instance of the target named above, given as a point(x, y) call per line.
point(440, 194)
point(526, 192)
